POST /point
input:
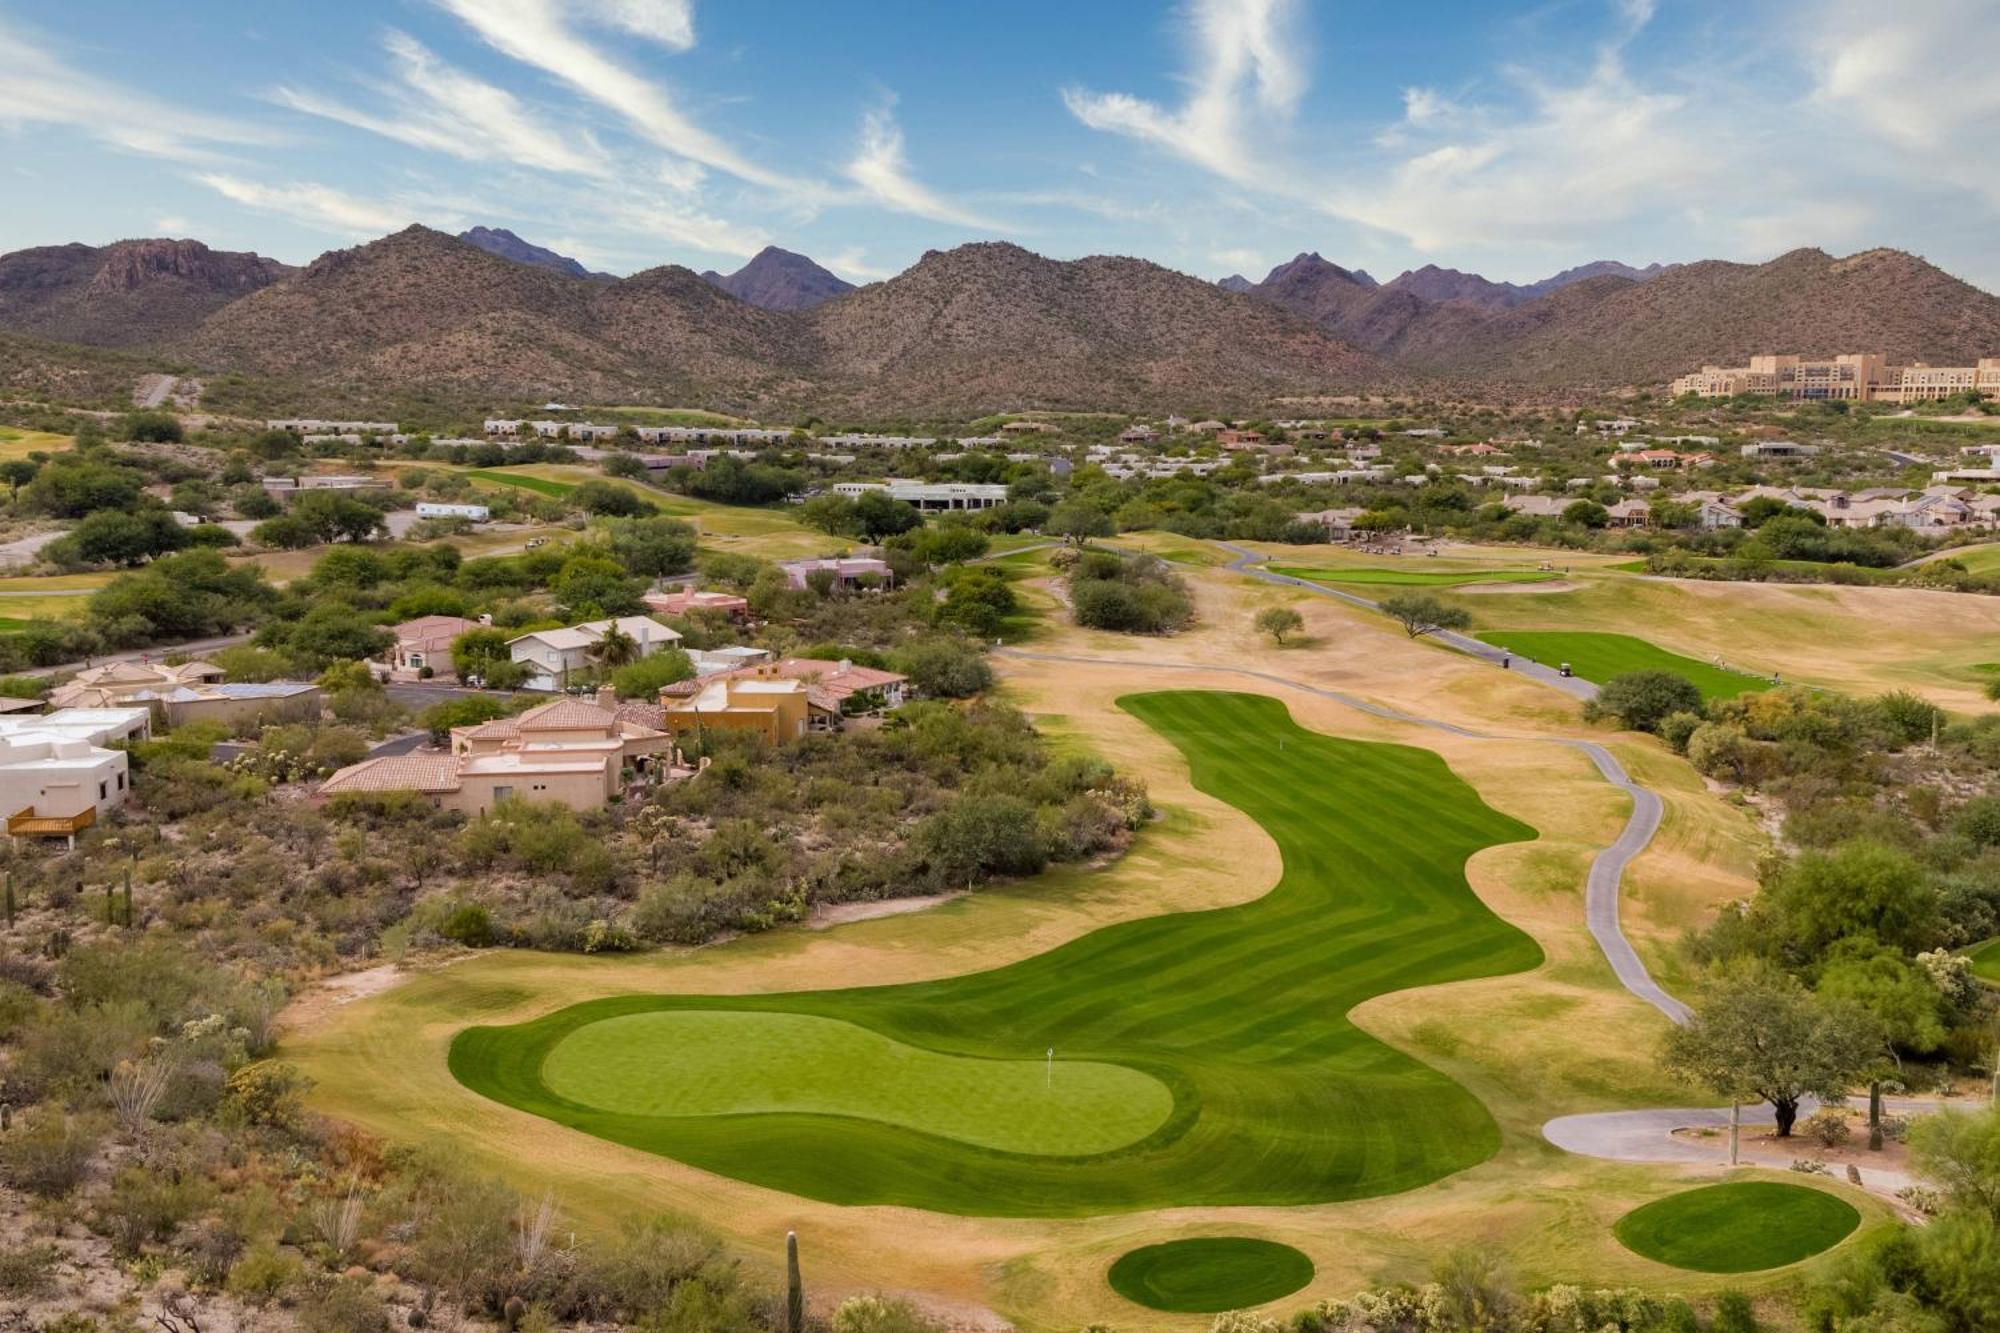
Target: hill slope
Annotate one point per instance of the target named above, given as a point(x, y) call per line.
point(126, 294)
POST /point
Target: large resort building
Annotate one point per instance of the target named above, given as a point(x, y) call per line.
point(1858, 377)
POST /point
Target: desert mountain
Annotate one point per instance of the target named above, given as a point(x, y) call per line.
point(1613, 330)
point(421, 309)
point(500, 241)
point(1235, 282)
point(993, 325)
point(780, 280)
point(124, 294)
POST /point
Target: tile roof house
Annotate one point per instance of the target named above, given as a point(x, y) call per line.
point(571, 752)
point(553, 655)
point(426, 643)
point(834, 690)
point(775, 710)
point(187, 692)
point(847, 571)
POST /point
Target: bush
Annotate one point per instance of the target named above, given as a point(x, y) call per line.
point(1642, 700)
point(50, 1155)
point(645, 678)
point(1828, 1128)
point(264, 1274)
point(944, 668)
point(1676, 728)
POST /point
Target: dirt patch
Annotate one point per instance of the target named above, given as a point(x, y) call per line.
point(828, 915)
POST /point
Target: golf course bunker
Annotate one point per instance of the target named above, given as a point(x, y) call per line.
point(705, 1063)
point(1209, 1274)
point(1199, 1058)
point(1742, 1226)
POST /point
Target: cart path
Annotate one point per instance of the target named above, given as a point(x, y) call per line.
point(1607, 868)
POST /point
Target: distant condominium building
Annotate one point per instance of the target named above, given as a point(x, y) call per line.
point(1856, 377)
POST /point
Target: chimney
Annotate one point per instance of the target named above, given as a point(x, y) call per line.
point(607, 697)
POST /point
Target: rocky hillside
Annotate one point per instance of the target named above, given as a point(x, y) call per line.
point(1612, 330)
point(500, 241)
point(420, 310)
point(126, 294)
point(994, 326)
point(780, 280)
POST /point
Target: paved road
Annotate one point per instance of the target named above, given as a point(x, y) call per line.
point(193, 648)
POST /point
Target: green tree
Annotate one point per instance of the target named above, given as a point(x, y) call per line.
point(1077, 522)
point(645, 678)
point(879, 516)
point(1420, 614)
point(1278, 621)
point(1642, 700)
point(614, 648)
point(830, 513)
point(945, 668)
point(593, 586)
point(1858, 889)
point(1758, 1034)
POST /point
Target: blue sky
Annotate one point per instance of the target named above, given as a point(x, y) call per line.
point(1210, 135)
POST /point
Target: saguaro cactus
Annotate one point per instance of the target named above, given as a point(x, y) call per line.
point(795, 1288)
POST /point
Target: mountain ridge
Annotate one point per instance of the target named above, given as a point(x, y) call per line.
point(499, 241)
point(776, 279)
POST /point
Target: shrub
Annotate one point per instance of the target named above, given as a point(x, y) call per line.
point(345, 1305)
point(945, 668)
point(469, 924)
point(1642, 700)
point(264, 1274)
point(1676, 729)
point(1828, 1128)
point(145, 1205)
point(50, 1155)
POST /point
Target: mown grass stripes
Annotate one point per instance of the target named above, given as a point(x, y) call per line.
point(1241, 1012)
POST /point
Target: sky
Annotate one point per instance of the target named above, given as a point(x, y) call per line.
point(1212, 136)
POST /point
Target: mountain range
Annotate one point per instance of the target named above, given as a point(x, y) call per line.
point(490, 320)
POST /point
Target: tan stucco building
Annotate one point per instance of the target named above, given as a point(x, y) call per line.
point(1858, 377)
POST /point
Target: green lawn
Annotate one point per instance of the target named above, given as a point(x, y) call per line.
point(1209, 1274)
point(1415, 578)
point(693, 1063)
point(539, 485)
point(1986, 961)
point(1599, 657)
point(1241, 1013)
point(1742, 1226)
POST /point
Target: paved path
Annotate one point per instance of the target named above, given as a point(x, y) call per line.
point(1649, 1136)
point(191, 649)
point(1607, 868)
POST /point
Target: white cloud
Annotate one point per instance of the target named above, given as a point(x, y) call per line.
point(882, 170)
point(438, 107)
point(172, 225)
point(539, 33)
point(853, 265)
point(41, 89)
point(668, 22)
point(320, 207)
point(1249, 67)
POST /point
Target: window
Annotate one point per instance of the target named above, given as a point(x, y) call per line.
point(103, 790)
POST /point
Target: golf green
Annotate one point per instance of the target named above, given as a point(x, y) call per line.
point(1209, 1274)
point(1240, 1013)
point(1599, 657)
point(1414, 578)
point(691, 1063)
point(1738, 1227)
point(1985, 960)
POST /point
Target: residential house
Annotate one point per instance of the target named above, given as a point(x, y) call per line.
point(772, 708)
point(187, 692)
point(423, 645)
point(1339, 523)
point(686, 601)
point(433, 509)
point(553, 656)
point(847, 571)
point(1630, 513)
point(99, 726)
point(56, 783)
point(837, 690)
point(930, 496)
point(1779, 449)
point(571, 752)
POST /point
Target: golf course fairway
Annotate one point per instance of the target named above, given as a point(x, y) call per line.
point(1741, 1226)
point(904, 1094)
point(1599, 657)
point(1209, 1274)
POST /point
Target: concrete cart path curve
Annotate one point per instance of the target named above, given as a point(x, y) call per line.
point(1607, 868)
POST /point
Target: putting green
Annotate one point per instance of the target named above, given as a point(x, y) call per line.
point(1240, 1012)
point(1209, 1274)
point(693, 1063)
point(1741, 1226)
point(1599, 657)
point(1414, 578)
